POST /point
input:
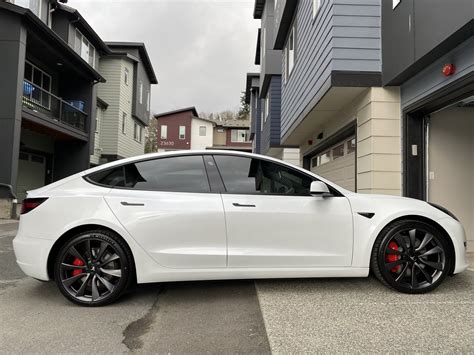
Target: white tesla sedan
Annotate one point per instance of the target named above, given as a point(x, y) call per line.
point(202, 215)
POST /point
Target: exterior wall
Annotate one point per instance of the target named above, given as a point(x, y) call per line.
point(342, 37)
point(431, 79)
point(219, 138)
point(377, 114)
point(291, 155)
point(173, 122)
point(379, 142)
point(110, 69)
point(270, 63)
point(270, 135)
point(229, 142)
point(12, 42)
point(201, 142)
point(414, 30)
point(127, 145)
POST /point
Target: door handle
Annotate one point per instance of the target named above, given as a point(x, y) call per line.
point(124, 203)
point(242, 205)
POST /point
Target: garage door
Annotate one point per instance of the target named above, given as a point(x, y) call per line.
point(31, 173)
point(337, 164)
point(451, 164)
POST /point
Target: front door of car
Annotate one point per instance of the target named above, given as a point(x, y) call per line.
point(272, 220)
point(167, 206)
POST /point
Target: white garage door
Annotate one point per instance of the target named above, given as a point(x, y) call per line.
point(337, 164)
point(31, 173)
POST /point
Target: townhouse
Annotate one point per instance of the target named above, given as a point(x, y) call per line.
point(53, 123)
point(183, 129)
point(123, 110)
point(376, 95)
point(232, 135)
point(428, 52)
point(50, 58)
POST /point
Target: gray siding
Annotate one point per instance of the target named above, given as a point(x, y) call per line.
point(256, 107)
point(271, 128)
point(271, 60)
point(430, 80)
point(344, 36)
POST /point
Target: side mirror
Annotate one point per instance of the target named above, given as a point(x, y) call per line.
point(319, 188)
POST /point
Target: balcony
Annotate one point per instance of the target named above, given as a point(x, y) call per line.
point(39, 100)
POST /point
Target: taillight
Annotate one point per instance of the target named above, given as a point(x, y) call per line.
point(30, 204)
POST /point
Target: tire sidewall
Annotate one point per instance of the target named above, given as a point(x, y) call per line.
point(396, 228)
point(124, 260)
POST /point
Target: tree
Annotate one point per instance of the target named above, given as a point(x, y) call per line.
point(244, 110)
point(151, 142)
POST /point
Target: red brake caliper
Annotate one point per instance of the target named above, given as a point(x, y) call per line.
point(391, 258)
point(77, 262)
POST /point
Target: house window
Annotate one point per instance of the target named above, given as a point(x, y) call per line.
point(33, 5)
point(220, 130)
point(338, 151)
point(267, 107)
point(124, 121)
point(137, 132)
point(140, 92)
point(239, 135)
point(202, 131)
point(182, 132)
point(50, 16)
point(37, 86)
point(290, 53)
point(351, 145)
point(164, 132)
point(125, 76)
point(98, 114)
point(84, 48)
point(316, 6)
point(148, 100)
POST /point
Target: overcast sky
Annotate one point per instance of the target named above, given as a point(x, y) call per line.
point(200, 49)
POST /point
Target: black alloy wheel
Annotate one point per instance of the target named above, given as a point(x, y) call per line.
point(93, 268)
point(411, 257)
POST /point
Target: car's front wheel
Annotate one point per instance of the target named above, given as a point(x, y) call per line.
point(93, 268)
point(411, 257)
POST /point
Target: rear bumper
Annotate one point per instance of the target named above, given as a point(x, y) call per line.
point(458, 236)
point(32, 256)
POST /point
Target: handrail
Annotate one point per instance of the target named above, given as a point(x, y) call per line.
point(39, 99)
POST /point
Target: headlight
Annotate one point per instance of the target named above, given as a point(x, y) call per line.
point(441, 208)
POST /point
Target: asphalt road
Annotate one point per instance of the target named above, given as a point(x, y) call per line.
point(284, 316)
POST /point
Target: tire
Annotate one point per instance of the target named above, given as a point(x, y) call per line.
point(94, 268)
point(411, 257)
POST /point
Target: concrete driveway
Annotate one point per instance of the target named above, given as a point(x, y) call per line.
point(284, 316)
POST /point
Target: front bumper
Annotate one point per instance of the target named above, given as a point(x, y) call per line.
point(458, 236)
point(32, 256)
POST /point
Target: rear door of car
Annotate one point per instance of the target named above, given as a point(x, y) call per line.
point(167, 205)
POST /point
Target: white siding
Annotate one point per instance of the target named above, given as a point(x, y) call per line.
point(197, 141)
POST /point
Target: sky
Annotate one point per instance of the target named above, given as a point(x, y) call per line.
point(201, 50)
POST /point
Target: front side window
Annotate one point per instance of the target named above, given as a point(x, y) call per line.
point(182, 132)
point(290, 53)
point(178, 174)
point(202, 131)
point(254, 176)
point(164, 132)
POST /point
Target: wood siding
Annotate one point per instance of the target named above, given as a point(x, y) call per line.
point(344, 36)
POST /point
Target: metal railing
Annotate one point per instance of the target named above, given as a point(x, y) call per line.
point(39, 100)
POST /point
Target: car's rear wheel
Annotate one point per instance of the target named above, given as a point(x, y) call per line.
point(411, 257)
point(93, 268)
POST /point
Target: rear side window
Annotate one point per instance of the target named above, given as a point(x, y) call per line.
point(179, 174)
